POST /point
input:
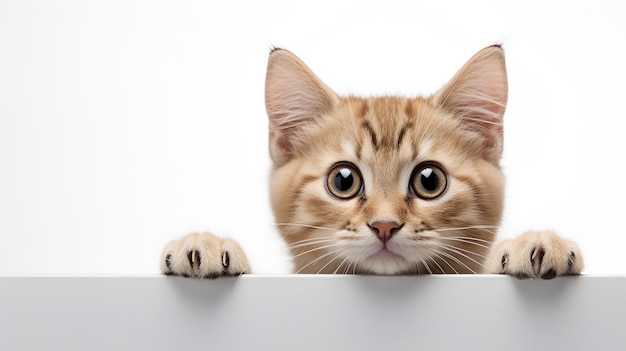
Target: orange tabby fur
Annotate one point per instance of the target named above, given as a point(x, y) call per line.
point(384, 139)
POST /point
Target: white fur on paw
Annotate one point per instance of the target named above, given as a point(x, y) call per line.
point(534, 254)
point(203, 255)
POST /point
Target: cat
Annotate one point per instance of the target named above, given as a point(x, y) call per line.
point(386, 185)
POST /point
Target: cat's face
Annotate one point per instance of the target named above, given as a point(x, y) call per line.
point(387, 185)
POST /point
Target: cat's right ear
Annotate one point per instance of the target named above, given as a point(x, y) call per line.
point(478, 94)
point(294, 99)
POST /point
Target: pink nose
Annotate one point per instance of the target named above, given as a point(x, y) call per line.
point(385, 230)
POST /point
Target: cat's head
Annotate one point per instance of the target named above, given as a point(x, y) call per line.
point(387, 185)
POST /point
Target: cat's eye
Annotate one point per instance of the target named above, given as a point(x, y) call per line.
point(428, 181)
point(344, 181)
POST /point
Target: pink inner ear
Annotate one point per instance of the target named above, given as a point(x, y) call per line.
point(294, 99)
point(478, 94)
point(484, 116)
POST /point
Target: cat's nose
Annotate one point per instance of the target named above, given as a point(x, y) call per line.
point(385, 230)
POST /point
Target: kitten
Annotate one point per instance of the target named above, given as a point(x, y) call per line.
point(386, 185)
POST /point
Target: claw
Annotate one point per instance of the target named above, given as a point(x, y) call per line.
point(570, 261)
point(197, 257)
point(167, 262)
point(225, 259)
point(193, 257)
point(536, 258)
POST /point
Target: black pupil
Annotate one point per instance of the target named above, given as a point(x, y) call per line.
point(344, 180)
point(429, 180)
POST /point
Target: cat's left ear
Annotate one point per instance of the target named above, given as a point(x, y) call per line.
point(478, 94)
point(295, 98)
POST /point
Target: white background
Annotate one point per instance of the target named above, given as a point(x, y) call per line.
point(125, 124)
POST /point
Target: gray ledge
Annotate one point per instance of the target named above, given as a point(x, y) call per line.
point(312, 313)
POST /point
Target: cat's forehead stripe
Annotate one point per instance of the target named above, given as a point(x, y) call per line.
point(385, 121)
point(402, 132)
point(372, 134)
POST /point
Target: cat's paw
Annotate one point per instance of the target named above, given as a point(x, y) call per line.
point(534, 254)
point(204, 255)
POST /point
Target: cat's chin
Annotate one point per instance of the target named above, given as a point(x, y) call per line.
point(385, 262)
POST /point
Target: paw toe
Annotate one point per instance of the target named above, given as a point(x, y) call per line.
point(522, 275)
point(537, 254)
point(574, 262)
point(234, 261)
point(549, 274)
point(203, 256)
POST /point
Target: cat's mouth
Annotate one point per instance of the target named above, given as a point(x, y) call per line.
point(385, 254)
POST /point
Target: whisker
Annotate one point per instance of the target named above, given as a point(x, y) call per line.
point(466, 228)
point(454, 259)
point(315, 249)
point(469, 240)
point(309, 244)
point(438, 255)
point(462, 250)
point(313, 238)
point(458, 251)
point(329, 262)
point(347, 268)
point(430, 259)
point(312, 242)
point(317, 260)
point(305, 226)
point(352, 263)
point(425, 264)
point(341, 264)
